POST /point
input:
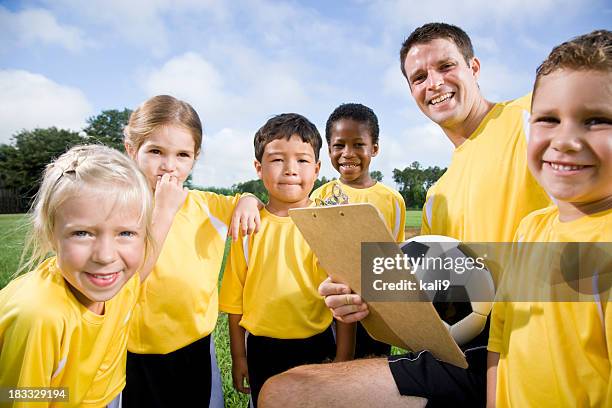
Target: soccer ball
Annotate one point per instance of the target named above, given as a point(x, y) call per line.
point(465, 299)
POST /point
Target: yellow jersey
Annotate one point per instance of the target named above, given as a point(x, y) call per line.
point(555, 353)
point(271, 279)
point(178, 302)
point(487, 188)
point(387, 200)
point(49, 339)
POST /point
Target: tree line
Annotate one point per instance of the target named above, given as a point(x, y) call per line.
point(23, 160)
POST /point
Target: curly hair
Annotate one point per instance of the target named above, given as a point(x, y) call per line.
point(591, 51)
point(358, 113)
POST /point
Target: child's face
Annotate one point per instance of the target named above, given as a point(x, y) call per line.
point(570, 146)
point(351, 150)
point(99, 247)
point(168, 149)
point(288, 169)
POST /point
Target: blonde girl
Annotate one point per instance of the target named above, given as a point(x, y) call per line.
point(65, 323)
point(169, 345)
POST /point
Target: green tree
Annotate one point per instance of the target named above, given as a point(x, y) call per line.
point(107, 128)
point(376, 175)
point(255, 187)
point(23, 161)
point(414, 181)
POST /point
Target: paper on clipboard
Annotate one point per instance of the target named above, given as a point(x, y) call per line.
point(335, 234)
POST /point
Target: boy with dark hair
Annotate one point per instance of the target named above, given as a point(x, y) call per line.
point(557, 353)
point(352, 137)
point(270, 284)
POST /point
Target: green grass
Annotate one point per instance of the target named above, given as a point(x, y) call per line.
point(12, 233)
point(413, 219)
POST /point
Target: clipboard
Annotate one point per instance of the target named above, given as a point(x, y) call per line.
point(335, 234)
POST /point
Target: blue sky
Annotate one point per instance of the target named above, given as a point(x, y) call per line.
point(239, 62)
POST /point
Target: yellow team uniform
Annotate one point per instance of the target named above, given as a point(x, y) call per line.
point(49, 339)
point(388, 201)
point(487, 188)
point(271, 279)
point(555, 354)
point(178, 302)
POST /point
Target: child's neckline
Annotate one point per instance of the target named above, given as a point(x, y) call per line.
point(343, 185)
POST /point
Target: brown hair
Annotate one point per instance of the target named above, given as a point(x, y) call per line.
point(159, 111)
point(591, 51)
point(286, 125)
point(433, 31)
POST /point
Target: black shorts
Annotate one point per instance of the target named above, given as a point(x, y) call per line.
point(366, 346)
point(268, 356)
point(181, 378)
point(421, 375)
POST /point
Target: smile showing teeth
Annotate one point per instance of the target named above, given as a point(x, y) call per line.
point(441, 98)
point(348, 165)
point(565, 167)
point(105, 277)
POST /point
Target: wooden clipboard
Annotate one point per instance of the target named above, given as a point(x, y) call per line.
point(335, 234)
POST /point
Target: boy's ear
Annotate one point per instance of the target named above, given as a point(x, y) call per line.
point(129, 149)
point(374, 149)
point(318, 168)
point(258, 168)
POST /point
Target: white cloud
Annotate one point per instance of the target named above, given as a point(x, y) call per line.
point(499, 82)
point(248, 91)
point(470, 13)
point(31, 100)
point(34, 26)
point(139, 22)
point(226, 159)
point(424, 142)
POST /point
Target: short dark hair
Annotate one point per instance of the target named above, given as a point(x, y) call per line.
point(358, 113)
point(286, 125)
point(433, 31)
point(591, 51)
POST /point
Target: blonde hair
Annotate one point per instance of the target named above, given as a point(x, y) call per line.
point(162, 110)
point(94, 167)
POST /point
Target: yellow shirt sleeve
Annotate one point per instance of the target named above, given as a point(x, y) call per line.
point(30, 351)
point(234, 277)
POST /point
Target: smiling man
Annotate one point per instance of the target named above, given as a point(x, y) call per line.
point(482, 197)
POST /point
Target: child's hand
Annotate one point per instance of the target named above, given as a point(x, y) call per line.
point(169, 194)
point(240, 372)
point(246, 217)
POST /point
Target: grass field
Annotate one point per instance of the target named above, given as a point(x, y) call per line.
point(12, 232)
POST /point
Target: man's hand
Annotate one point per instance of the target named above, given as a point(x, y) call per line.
point(346, 306)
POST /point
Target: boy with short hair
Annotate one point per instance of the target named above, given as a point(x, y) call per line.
point(271, 280)
point(352, 133)
point(558, 353)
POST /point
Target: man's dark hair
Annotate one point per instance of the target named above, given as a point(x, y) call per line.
point(433, 31)
point(286, 125)
point(358, 113)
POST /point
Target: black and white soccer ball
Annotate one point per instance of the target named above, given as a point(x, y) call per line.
point(467, 302)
